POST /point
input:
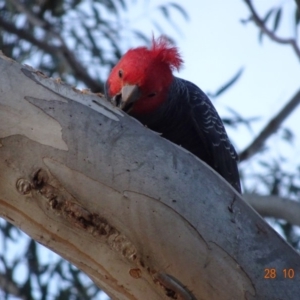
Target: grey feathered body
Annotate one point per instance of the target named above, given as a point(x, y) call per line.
point(189, 119)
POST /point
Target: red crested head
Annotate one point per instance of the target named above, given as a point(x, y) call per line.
point(140, 81)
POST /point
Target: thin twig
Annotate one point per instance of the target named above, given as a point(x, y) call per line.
point(10, 287)
point(260, 23)
point(271, 127)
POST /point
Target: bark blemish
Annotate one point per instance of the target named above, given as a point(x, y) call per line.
point(230, 207)
point(40, 178)
point(66, 206)
point(172, 287)
point(135, 273)
point(23, 186)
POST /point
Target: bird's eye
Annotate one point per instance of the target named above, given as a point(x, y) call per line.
point(152, 95)
point(120, 73)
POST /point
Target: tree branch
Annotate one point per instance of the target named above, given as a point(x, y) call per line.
point(298, 5)
point(276, 207)
point(260, 23)
point(141, 216)
point(10, 287)
point(62, 52)
point(270, 128)
point(31, 17)
point(25, 35)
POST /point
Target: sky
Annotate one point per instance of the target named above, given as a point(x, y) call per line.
point(215, 45)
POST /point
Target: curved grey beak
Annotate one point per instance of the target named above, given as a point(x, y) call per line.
point(129, 95)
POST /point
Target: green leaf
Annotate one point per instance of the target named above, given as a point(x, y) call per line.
point(268, 14)
point(265, 164)
point(288, 135)
point(246, 21)
point(123, 4)
point(260, 36)
point(295, 189)
point(164, 11)
point(158, 27)
point(109, 5)
point(141, 36)
point(277, 19)
point(181, 10)
point(297, 16)
point(228, 84)
point(96, 14)
point(265, 20)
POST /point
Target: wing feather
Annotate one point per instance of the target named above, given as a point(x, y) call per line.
point(210, 127)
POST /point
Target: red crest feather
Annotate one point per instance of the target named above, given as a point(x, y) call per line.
point(150, 70)
point(164, 51)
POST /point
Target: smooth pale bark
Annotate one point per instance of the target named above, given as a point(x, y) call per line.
point(276, 207)
point(142, 217)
